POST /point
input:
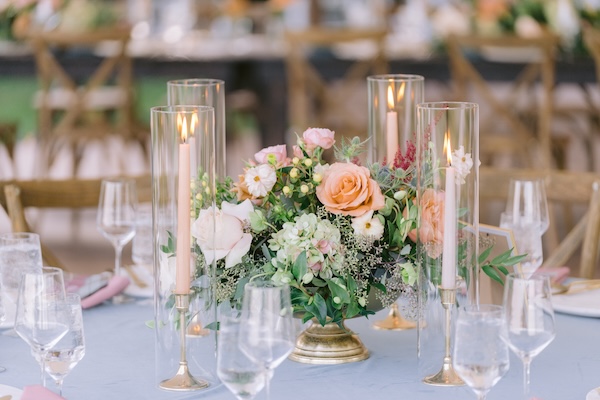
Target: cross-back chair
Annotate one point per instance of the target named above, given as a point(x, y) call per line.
point(518, 123)
point(74, 107)
point(562, 187)
point(330, 99)
point(17, 196)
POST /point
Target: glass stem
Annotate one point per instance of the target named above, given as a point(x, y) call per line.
point(59, 385)
point(268, 383)
point(43, 367)
point(526, 376)
point(118, 252)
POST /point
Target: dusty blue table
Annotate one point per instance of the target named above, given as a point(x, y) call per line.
point(119, 364)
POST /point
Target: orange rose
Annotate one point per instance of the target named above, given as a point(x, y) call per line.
point(348, 189)
point(431, 231)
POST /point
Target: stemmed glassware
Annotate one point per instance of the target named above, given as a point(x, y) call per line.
point(529, 318)
point(116, 215)
point(41, 318)
point(527, 216)
point(480, 357)
point(64, 355)
point(267, 333)
point(243, 376)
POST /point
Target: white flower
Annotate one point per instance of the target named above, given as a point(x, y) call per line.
point(366, 225)
point(260, 180)
point(220, 233)
point(462, 164)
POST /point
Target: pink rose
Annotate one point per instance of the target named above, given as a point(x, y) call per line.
point(318, 137)
point(348, 189)
point(431, 232)
point(297, 152)
point(279, 153)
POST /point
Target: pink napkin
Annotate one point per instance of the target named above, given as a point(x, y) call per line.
point(115, 285)
point(38, 392)
point(557, 275)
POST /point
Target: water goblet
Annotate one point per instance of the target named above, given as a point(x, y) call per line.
point(527, 203)
point(18, 252)
point(267, 333)
point(529, 318)
point(480, 357)
point(243, 376)
point(61, 358)
point(41, 318)
point(116, 216)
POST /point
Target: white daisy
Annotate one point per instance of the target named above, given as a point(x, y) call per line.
point(366, 225)
point(462, 164)
point(260, 180)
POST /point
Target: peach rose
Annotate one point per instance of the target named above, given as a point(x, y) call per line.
point(279, 153)
point(318, 137)
point(431, 231)
point(348, 189)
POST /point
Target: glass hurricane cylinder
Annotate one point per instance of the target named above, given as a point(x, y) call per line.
point(204, 92)
point(447, 223)
point(392, 117)
point(183, 185)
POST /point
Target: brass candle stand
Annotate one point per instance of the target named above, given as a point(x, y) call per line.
point(394, 321)
point(446, 376)
point(183, 379)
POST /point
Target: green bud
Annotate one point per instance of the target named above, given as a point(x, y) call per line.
point(400, 194)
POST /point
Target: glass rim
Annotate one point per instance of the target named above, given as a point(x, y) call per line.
point(266, 284)
point(396, 77)
point(448, 105)
point(184, 108)
point(18, 235)
point(196, 82)
point(528, 277)
point(482, 309)
point(118, 179)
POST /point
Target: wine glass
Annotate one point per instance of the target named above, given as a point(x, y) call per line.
point(142, 246)
point(243, 376)
point(480, 358)
point(18, 252)
point(116, 216)
point(2, 319)
point(62, 357)
point(527, 216)
point(529, 318)
point(41, 318)
point(267, 333)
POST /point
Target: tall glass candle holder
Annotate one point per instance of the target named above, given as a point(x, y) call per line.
point(448, 227)
point(392, 125)
point(183, 185)
point(392, 117)
point(204, 92)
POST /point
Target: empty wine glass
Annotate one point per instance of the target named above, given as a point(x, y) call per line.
point(480, 357)
point(529, 318)
point(116, 216)
point(2, 319)
point(142, 246)
point(267, 333)
point(62, 357)
point(527, 216)
point(18, 252)
point(41, 318)
point(243, 376)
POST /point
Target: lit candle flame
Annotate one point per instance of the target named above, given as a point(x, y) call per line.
point(193, 123)
point(401, 92)
point(183, 129)
point(390, 98)
point(448, 148)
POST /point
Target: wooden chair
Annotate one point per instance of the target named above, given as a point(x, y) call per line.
point(574, 188)
point(17, 196)
point(73, 108)
point(512, 127)
point(331, 100)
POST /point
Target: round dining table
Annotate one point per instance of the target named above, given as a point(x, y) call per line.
point(119, 364)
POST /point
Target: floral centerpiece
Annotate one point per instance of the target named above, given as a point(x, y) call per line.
point(340, 234)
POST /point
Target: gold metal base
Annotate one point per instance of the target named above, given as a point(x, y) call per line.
point(446, 377)
point(327, 345)
point(394, 321)
point(183, 381)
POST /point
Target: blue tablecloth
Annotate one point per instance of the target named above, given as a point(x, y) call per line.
point(119, 364)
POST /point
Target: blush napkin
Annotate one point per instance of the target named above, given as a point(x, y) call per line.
point(38, 392)
point(115, 285)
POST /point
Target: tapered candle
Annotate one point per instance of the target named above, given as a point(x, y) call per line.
point(391, 128)
point(450, 223)
point(182, 279)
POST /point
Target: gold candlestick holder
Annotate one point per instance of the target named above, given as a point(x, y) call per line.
point(183, 379)
point(394, 321)
point(447, 376)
